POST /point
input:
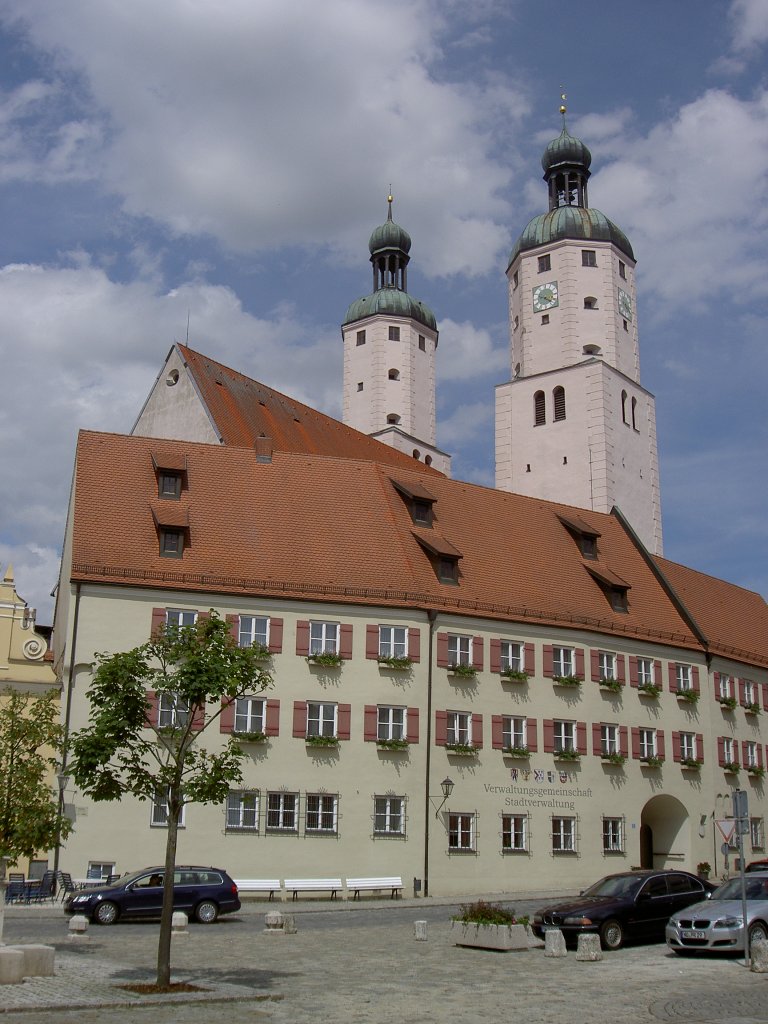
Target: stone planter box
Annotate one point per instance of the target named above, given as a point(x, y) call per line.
point(490, 936)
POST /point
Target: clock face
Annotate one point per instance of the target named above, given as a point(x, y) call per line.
point(545, 296)
point(625, 304)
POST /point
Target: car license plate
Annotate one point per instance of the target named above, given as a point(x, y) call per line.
point(692, 933)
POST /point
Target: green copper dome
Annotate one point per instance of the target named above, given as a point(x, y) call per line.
point(576, 222)
point(390, 302)
point(565, 149)
point(389, 236)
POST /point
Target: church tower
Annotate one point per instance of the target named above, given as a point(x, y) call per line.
point(574, 423)
point(390, 343)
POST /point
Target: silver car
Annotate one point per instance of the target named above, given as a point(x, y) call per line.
point(718, 924)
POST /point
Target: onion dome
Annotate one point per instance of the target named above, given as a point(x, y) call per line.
point(581, 222)
point(390, 302)
point(565, 149)
point(389, 236)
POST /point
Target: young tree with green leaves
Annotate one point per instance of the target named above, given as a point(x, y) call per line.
point(125, 750)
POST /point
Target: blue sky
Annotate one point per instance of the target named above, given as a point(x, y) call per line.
point(226, 161)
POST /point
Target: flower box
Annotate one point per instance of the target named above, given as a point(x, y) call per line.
point(322, 741)
point(731, 767)
point(691, 696)
point(614, 685)
point(617, 759)
point(514, 675)
point(756, 772)
point(751, 709)
point(463, 671)
point(566, 755)
point(327, 659)
point(250, 737)
point(392, 744)
point(651, 762)
point(519, 752)
point(464, 749)
point(690, 764)
point(649, 690)
point(394, 663)
point(727, 703)
point(567, 680)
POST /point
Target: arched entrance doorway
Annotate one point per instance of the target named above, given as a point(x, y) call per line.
point(665, 840)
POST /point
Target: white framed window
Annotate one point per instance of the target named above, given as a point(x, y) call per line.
point(459, 727)
point(613, 835)
point(461, 832)
point(390, 722)
point(725, 687)
point(563, 661)
point(648, 743)
point(100, 868)
point(254, 629)
point(394, 334)
point(360, 338)
point(563, 835)
point(609, 739)
point(588, 258)
point(688, 745)
point(512, 656)
point(757, 833)
point(321, 812)
point(322, 719)
point(683, 678)
point(622, 270)
point(459, 649)
point(249, 714)
point(175, 618)
point(243, 810)
point(393, 642)
point(514, 731)
point(564, 735)
point(323, 637)
point(172, 711)
point(159, 813)
point(282, 811)
point(728, 750)
point(514, 832)
point(749, 692)
point(606, 664)
point(750, 750)
point(389, 815)
point(645, 675)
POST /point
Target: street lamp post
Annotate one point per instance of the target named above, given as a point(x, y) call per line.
point(62, 779)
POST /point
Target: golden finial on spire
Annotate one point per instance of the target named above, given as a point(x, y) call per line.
point(390, 199)
point(563, 108)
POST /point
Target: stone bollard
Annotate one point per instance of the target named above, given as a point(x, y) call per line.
point(588, 948)
point(78, 929)
point(11, 966)
point(420, 931)
point(554, 943)
point(38, 960)
point(179, 923)
point(274, 923)
point(759, 957)
point(289, 924)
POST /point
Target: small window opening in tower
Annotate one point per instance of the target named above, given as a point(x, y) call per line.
point(622, 270)
point(634, 414)
point(624, 407)
point(590, 302)
point(394, 374)
point(416, 453)
point(592, 350)
point(515, 279)
point(588, 258)
point(359, 385)
point(527, 467)
point(392, 417)
point(565, 460)
point(360, 338)
point(545, 263)
point(422, 343)
point(626, 325)
point(394, 334)
point(558, 397)
point(427, 460)
point(545, 319)
point(516, 323)
point(539, 409)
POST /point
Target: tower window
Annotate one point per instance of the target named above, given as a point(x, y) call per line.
point(516, 323)
point(359, 385)
point(624, 407)
point(394, 374)
point(539, 409)
point(393, 418)
point(545, 319)
point(422, 343)
point(427, 460)
point(360, 338)
point(592, 350)
point(634, 414)
point(558, 396)
point(394, 334)
point(626, 325)
point(416, 453)
point(515, 279)
point(622, 270)
point(588, 258)
point(590, 302)
point(545, 263)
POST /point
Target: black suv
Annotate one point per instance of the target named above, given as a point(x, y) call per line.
point(202, 893)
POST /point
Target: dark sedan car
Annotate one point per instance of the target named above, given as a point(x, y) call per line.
point(632, 905)
point(201, 892)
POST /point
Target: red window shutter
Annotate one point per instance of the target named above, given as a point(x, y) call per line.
point(635, 742)
point(716, 680)
point(621, 668)
point(529, 662)
point(275, 636)
point(302, 637)
point(152, 713)
point(497, 731)
point(300, 718)
point(580, 662)
point(158, 622)
point(442, 650)
point(345, 640)
point(765, 696)
point(477, 652)
point(760, 755)
point(597, 738)
point(272, 724)
point(549, 736)
point(742, 698)
point(412, 733)
point(344, 713)
point(720, 751)
point(532, 743)
point(371, 642)
point(441, 728)
point(414, 644)
point(370, 722)
point(672, 669)
point(202, 616)
point(699, 746)
point(549, 670)
point(233, 621)
point(594, 660)
point(695, 679)
point(477, 730)
point(227, 716)
point(660, 747)
point(623, 741)
point(675, 746)
point(581, 737)
point(198, 717)
point(494, 654)
point(634, 678)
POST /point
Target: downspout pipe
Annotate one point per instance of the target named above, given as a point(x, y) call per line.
point(431, 618)
point(68, 715)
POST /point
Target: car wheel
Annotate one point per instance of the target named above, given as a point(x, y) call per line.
point(758, 932)
point(612, 934)
point(206, 912)
point(106, 913)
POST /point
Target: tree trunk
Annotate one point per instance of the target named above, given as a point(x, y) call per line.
point(166, 917)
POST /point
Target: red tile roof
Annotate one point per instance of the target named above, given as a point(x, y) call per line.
point(314, 527)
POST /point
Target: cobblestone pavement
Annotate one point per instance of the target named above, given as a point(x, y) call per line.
point(362, 968)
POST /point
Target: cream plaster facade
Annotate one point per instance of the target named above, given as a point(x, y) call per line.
point(174, 407)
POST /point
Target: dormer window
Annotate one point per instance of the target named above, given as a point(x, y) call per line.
point(443, 556)
point(171, 542)
point(421, 511)
point(584, 534)
point(169, 485)
point(418, 500)
point(170, 471)
point(613, 586)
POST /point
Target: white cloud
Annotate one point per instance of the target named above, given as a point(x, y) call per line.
point(466, 351)
point(465, 423)
point(749, 23)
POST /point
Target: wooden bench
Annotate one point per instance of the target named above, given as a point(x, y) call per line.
point(297, 885)
point(356, 885)
point(269, 885)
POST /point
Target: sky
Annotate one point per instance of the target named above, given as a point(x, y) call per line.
point(211, 170)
